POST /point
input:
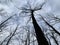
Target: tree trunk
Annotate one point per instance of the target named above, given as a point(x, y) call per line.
point(39, 33)
point(11, 36)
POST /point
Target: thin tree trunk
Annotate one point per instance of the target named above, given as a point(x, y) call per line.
point(28, 37)
point(48, 39)
point(50, 25)
point(4, 22)
point(11, 36)
point(54, 38)
point(5, 39)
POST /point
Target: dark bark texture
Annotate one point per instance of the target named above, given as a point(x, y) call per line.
point(39, 33)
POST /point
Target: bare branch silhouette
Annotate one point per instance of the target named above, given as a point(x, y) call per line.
point(50, 25)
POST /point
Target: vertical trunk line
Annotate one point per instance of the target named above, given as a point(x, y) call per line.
point(39, 33)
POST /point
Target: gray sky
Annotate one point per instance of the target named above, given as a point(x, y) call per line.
point(11, 7)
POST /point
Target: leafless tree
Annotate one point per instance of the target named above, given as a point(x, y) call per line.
point(50, 25)
point(11, 36)
point(39, 33)
point(2, 24)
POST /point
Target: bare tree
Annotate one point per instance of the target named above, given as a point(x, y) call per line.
point(42, 38)
point(39, 33)
point(11, 36)
point(4, 22)
point(50, 25)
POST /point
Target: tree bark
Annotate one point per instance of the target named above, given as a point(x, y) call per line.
point(39, 33)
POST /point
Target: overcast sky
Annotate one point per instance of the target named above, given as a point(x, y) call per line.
point(10, 7)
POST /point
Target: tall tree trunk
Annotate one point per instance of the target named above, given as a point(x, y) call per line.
point(39, 33)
